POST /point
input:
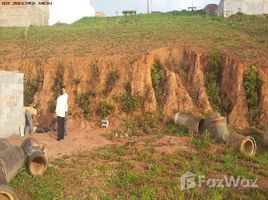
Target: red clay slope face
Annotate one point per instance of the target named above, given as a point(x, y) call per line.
point(184, 88)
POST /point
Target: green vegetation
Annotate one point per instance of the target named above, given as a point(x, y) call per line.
point(83, 100)
point(111, 79)
point(158, 80)
point(202, 141)
point(172, 129)
point(56, 87)
point(252, 85)
point(129, 103)
point(106, 107)
point(110, 35)
point(30, 88)
point(140, 171)
point(213, 82)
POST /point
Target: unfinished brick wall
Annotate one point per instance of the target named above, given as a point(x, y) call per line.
point(12, 114)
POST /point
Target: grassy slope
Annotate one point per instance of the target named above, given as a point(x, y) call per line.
point(241, 35)
point(134, 172)
point(113, 173)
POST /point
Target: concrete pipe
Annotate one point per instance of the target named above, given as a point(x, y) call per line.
point(36, 161)
point(246, 145)
point(7, 193)
point(11, 160)
point(191, 122)
point(4, 144)
point(217, 125)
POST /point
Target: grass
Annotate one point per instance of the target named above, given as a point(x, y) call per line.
point(107, 36)
point(139, 172)
point(252, 85)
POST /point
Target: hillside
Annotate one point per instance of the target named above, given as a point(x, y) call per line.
point(138, 71)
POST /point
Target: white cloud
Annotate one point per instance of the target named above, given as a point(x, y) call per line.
point(69, 11)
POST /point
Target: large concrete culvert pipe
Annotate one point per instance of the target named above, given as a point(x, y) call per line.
point(36, 161)
point(6, 193)
point(189, 121)
point(245, 144)
point(12, 158)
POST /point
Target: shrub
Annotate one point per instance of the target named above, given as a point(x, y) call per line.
point(212, 79)
point(129, 103)
point(30, 88)
point(56, 87)
point(158, 80)
point(252, 85)
point(112, 77)
point(106, 108)
point(83, 101)
point(212, 83)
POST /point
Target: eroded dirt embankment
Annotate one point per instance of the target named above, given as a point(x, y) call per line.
point(184, 87)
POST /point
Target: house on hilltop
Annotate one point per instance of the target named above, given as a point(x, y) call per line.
point(23, 13)
point(249, 7)
point(211, 9)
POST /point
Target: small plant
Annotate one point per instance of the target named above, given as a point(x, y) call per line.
point(30, 88)
point(252, 85)
point(212, 83)
point(112, 77)
point(173, 129)
point(56, 87)
point(129, 103)
point(158, 80)
point(203, 141)
point(106, 108)
point(212, 79)
point(83, 101)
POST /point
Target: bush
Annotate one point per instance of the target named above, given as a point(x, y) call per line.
point(106, 108)
point(83, 101)
point(56, 87)
point(212, 83)
point(112, 77)
point(30, 88)
point(212, 79)
point(158, 80)
point(129, 103)
point(252, 85)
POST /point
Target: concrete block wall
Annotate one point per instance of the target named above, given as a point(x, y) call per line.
point(12, 113)
point(249, 7)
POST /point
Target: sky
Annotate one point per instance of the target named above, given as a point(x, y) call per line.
point(68, 11)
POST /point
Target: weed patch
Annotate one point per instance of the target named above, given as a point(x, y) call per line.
point(106, 108)
point(30, 88)
point(129, 103)
point(111, 79)
point(83, 100)
point(56, 87)
point(252, 85)
point(158, 80)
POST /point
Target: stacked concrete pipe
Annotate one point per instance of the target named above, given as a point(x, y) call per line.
point(217, 125)
point(12, 158)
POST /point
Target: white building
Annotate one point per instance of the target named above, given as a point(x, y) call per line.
point(249, 7)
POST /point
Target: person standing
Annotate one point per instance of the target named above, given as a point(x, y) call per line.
point(61, 109)
point(66, 114)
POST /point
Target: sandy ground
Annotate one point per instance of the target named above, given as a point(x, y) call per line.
point(77, 140)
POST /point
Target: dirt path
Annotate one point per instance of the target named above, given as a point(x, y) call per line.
point(80, 139)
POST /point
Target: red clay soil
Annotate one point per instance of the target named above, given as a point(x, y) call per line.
point(79, 139)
